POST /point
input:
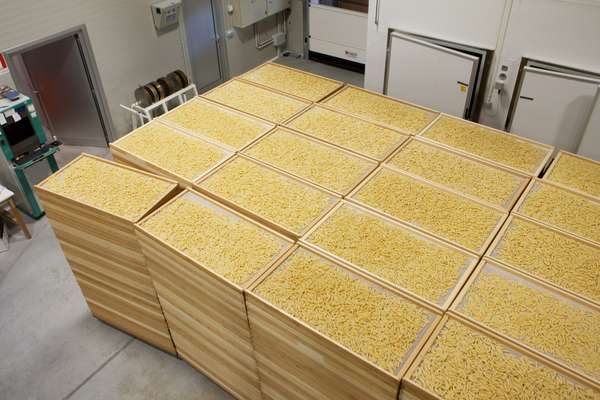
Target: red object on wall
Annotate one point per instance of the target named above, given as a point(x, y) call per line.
point(2, 62)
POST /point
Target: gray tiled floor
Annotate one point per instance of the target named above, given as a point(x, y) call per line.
point(50, 345)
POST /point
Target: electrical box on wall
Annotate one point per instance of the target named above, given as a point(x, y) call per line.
point(249, 12)
point(166, 13)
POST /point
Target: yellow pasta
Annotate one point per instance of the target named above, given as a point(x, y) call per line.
point(577, 173)
point(257, 101)
point(217, 239)
point(484, 142)
point(171, 150)
point(381, 109)
point(292, 81)
point(563, 209)
point(442, 213)
point(552, 256)
point(349, 132)
point(391, 252)
point(109, 187)
point(315, 162)
point(555, 326)
point(269, 194)
point(205, 119)
point(438, 165)
point(464, 364)
point(367, 320)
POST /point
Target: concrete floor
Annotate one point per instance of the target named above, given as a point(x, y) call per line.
point(50, 345)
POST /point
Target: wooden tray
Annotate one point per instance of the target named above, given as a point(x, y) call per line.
point(366, 115)
point(274, 96)
point(136, 160)
point(594, 168)
point(441, 303)
point(479, 251)
point(411, 390)
point(297, 362)
point(205, 311)
point(108, 263)
point(299, 73)
point(494, 249)
point(534, 172)
point(535, 184)
point(275, 225)
point(264, 124)
point(491, 267)
point(300, 171)
point(352, 148)
point(506, 204)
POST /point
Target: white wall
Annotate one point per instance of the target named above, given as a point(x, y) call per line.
point(564, 32)
point(560, 31)
point(242, 53)
point(473, 22)
point(127, 49)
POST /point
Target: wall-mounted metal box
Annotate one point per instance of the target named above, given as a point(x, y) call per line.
point(248, 12)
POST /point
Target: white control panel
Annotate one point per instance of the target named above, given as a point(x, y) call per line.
point(166, 13)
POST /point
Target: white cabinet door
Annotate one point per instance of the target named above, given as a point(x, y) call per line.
point(339, 26)
point(431, 75)
point(590, 143)
point(553, 107)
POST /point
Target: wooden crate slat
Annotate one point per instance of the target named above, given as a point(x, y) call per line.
point(412, 390)
point(534, 170)
point(291, 85)
point(304, 169)
point(206, 312)
point(457, 182)
point(522, 335)
point(296, 361)
point(107, 260)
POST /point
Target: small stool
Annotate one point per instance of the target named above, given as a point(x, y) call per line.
point(7, 197)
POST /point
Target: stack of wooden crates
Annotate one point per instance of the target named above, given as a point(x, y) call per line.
point(328, 242)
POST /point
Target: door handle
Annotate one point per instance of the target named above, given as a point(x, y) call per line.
point(351, 53)
point(377, 12)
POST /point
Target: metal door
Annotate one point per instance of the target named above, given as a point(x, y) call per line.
point(431, 75)
point(553, 107)
point(590, 142)
point(202, 42)
point(62, 88)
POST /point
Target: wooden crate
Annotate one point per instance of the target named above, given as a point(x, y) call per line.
point(164, 151)
point(216, 123)
point(203, 303)
point(105, 256)
point(402, 116)
point(476, 361)
point(561, 208)
point(512, 151)
point(581, 175)
point(554, 257)
point(256, 100)
point(312, 160)
point(292, 81)
point(297, 361)
point(348, 132)
point(276, 199)
point(394, 253)
point(403, 197)
point(546, 320)
point(480, 180)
